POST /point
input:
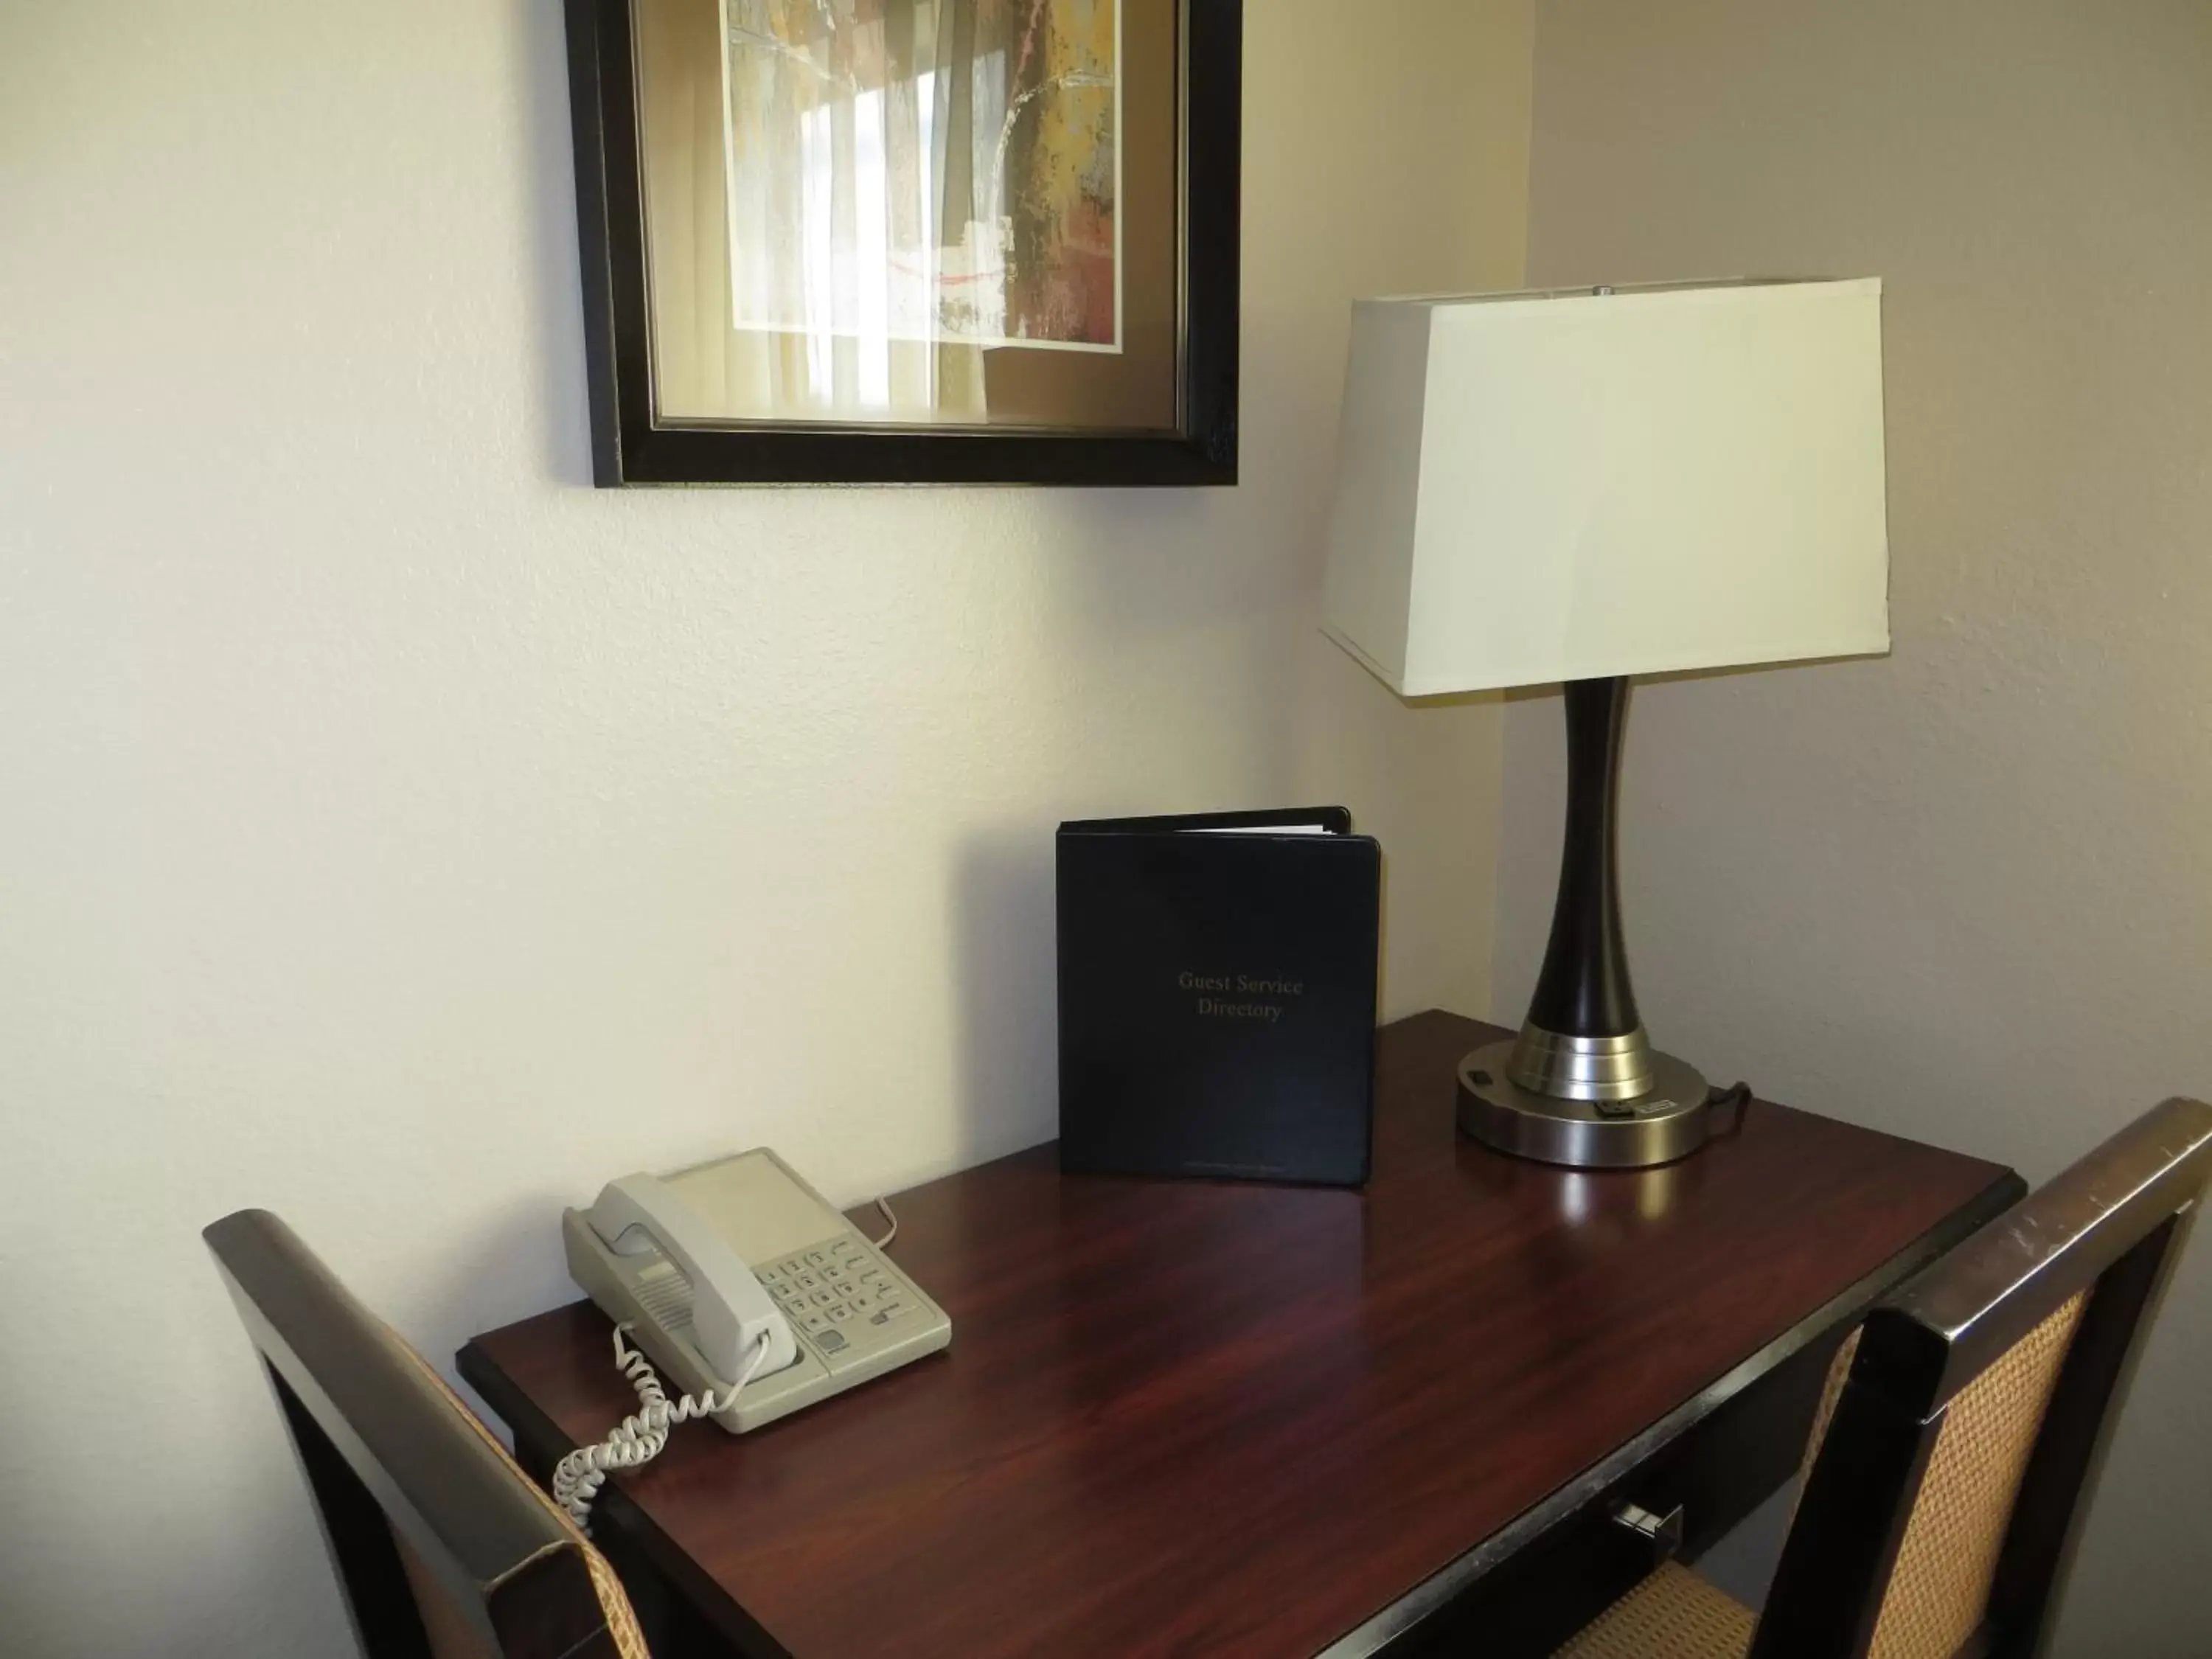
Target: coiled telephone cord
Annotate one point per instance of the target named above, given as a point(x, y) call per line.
point(638, 1438)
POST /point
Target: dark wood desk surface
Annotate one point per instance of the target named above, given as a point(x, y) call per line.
point(1191, 1418)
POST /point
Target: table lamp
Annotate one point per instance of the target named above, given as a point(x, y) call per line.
point(1580, 486)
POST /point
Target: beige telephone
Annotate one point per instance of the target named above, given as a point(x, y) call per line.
point(748, 1289)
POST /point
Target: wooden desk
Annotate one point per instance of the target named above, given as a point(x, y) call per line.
point(1228, 1420)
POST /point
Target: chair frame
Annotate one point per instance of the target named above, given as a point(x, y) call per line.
point(2114, 1224)
point(383, 1455)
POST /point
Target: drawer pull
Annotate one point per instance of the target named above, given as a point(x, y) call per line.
point(1663, 1532)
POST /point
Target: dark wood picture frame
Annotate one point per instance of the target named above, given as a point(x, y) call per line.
point(631, 446)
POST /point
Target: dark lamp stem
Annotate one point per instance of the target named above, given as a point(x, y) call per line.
point(1584, 989)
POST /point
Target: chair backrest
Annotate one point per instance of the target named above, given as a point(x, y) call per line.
point(1964, 1431)
point(443, 1547)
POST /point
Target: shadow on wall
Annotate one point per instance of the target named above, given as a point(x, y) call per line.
point(1005, 1073)
point(557, 399)
point(1134, 547)
point(480, 1284)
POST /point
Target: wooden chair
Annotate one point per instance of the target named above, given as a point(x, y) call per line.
point(444, 1548)
point(1961, 1429)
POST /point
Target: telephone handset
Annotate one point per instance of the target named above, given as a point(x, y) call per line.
point(749, 1289)
point(731, 1312)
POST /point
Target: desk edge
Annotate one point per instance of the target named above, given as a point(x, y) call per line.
point(1402, 1619)
point(613, 1509)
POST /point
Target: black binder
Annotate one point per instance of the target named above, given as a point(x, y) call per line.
point(1216, 995)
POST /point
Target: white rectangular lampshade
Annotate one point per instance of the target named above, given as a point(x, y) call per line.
point(1549, 487)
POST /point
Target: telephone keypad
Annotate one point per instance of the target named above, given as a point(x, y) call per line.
point(834, 1290)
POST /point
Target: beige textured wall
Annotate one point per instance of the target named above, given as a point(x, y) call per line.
point(1966, 892)
point(398, 833)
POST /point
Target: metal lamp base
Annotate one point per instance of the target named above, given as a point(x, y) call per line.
point(1665, 1121)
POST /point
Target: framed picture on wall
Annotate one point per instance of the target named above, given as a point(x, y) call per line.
point(910, 241)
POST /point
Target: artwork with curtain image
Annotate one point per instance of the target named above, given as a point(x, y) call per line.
point(941, 171)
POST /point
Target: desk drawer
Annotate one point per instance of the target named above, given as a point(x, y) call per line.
point(1717, 1471)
